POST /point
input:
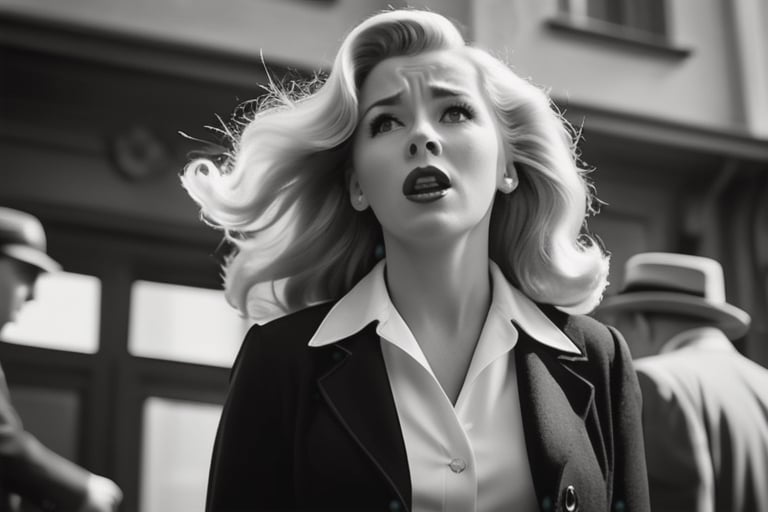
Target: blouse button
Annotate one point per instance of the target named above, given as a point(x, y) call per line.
point(458, 465)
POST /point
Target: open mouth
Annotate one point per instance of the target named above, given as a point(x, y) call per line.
point(426, 184)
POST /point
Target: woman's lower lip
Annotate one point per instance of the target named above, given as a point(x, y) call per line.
point(427, 197)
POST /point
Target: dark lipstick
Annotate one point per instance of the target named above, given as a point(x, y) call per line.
point(426, 184)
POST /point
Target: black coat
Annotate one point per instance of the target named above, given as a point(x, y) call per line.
point(315, 429)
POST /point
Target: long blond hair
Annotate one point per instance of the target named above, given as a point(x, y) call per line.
point(281, 196)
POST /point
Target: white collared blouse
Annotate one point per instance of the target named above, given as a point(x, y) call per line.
point(470, 456)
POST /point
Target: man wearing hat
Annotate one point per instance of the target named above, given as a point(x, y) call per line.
point(27, 468)
point(705, 406)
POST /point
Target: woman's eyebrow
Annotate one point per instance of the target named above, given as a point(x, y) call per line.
point(443, 91)
point(385, 102)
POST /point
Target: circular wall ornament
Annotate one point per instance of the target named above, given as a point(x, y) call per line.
point(139, 154)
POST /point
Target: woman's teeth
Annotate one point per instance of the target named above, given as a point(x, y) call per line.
point(425, 197)
point(425, 184)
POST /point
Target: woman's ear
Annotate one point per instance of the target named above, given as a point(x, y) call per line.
point(356, 196)
point(508, 179)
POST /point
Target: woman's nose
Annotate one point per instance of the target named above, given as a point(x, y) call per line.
point(428, 144)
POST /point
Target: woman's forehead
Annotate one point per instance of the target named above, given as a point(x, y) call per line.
point(444, 69)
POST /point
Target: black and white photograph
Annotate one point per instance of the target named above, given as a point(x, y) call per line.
point(384, 256)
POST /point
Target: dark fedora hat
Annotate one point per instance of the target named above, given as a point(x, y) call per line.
point(22, 237)
point(678, 283)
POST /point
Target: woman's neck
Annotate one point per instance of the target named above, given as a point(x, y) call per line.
point(441, 289)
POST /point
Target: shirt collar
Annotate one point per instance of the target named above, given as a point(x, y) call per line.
point(368, 301)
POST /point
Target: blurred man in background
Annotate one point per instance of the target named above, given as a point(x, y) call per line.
point(705, 406)
point(27, 468)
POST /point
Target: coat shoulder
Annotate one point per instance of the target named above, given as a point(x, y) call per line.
point(299, 325)
point(594, 338)
point(598, 337)
point(284, 339)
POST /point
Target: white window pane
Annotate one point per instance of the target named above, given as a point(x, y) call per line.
point(176, 454)
point(183, 323)
point(64, 314)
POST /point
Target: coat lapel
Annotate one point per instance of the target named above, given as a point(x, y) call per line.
point(357, 389)
point(562, 434)
point(565, 447)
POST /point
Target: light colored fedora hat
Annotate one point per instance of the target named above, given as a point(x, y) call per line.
point(678, 283)
point(22, 237)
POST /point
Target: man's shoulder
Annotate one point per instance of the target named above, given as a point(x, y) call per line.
point(689, 360)
point(676, 375)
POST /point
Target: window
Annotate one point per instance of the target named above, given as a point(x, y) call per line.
point(641, 24)
point(183, 323)
point(121, 363)
point(177, 445)
point(647, 16)
point(64, 314)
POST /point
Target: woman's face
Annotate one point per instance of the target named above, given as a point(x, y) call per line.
point(427, 155)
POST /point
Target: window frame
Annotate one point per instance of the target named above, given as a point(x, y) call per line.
point(112, 384)
point(626, 24)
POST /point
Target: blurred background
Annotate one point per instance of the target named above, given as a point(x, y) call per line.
point(122, 362)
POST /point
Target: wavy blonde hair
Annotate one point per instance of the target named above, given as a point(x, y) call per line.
point(281, 195)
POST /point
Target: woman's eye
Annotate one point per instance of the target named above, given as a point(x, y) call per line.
point(457, 114)
point(384, 123)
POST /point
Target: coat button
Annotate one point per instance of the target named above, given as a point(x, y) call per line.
point(395, 506)
point(570, 499)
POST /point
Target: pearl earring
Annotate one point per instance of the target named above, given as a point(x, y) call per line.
point(508, 184)
point(359, 202)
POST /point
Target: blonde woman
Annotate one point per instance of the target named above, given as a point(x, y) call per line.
point(418, 222)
